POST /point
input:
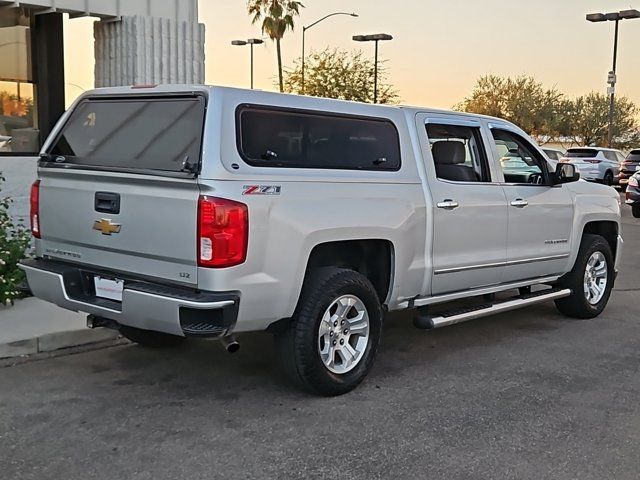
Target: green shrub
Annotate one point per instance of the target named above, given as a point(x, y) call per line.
point(14, 241)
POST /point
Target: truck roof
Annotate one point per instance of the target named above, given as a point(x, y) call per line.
point(301, 101)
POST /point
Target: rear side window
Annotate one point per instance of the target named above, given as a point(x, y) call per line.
point(634, 156)
point(581, 153)
point(147, 134)
point(270, 137)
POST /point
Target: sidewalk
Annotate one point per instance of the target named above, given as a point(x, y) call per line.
point(34, 326)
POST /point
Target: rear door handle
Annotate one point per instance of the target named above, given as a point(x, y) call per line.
point(448, 204)
point(519, 202)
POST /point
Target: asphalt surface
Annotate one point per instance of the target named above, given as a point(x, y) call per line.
point(527, 395)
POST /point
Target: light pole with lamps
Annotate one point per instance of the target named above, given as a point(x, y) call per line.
point(304, 31)
point(374, 38)
point(613, 17)
point(251, 42)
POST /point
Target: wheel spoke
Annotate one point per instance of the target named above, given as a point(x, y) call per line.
point(346, 356)
point(344, 305)
point(601, 269)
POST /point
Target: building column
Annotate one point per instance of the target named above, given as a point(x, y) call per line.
point(48, 61)
point(148, 50)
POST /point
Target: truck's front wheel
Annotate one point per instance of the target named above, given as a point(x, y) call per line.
point(590, 280)
point(331, 344)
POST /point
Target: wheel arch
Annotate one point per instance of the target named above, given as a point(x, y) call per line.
point(374, 258)
point(607, 229)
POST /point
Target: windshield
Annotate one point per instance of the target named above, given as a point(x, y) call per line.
point(581, 153)
point(146, 134)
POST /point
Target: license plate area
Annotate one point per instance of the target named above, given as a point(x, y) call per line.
point(109, 288)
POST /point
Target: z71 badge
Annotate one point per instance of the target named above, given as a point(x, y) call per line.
point(261, 190)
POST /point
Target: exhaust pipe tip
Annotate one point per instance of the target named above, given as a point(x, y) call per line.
point(230, 344)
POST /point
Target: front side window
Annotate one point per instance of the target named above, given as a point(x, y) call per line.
point(271, 137)
point(519, 161)
point(458, 153)
point(162, 134)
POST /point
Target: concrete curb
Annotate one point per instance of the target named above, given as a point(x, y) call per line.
point(55, 341)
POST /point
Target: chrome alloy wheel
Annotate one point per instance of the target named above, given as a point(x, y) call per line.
point(595, 278)
point(343, 335)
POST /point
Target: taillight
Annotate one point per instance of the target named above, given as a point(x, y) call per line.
point(223, 232)
point(633, 182)
point(34, 214)
point(593, 161)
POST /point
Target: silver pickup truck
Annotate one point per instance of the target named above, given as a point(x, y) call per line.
point(190, 211)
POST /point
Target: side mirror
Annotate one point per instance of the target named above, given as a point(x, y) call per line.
point(566, 173)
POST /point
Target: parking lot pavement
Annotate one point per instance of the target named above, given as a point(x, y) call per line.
point(528, 395)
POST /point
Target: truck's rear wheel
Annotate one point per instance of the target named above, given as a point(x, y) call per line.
point(149, 338)
point(332, 341)
point(590, 280)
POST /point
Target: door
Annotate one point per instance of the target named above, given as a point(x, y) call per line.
point(540, 214)
point(468, 209)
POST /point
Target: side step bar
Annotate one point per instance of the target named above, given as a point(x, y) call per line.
point(459, 316)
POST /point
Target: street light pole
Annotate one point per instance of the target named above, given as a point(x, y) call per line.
point(375, 75)
point(612, 100)
point(612, 80)
point(374, 38)
point(304, 31)
point(251, 42)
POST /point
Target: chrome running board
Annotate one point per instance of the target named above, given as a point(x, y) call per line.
point(462, 315)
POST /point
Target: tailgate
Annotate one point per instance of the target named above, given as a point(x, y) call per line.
point(154, 233)
point(118, 185)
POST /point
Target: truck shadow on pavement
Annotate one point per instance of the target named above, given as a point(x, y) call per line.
point(202, 368)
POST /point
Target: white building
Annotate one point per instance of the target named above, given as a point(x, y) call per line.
point(135, 42)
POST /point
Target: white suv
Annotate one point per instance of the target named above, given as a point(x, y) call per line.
point(596, 164)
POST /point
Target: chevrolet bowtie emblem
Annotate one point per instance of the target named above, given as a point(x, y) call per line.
point(106, 227)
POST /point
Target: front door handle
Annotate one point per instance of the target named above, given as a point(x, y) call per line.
point(447, 204)
point(519, 202)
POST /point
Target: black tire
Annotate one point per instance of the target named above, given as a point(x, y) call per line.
point(635, 211)
point(150, 338)
point(608, 178)
point(297, 346)
point(576, 305)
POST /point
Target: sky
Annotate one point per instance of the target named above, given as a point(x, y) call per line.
point(440, 47)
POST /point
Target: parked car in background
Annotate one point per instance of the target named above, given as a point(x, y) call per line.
point(633, 194)
point(554, 155)
point(629, 167)
point(595, 164)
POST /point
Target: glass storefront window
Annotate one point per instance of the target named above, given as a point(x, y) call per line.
point(18, 132)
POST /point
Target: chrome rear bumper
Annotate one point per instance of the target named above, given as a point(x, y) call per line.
point(144, 305)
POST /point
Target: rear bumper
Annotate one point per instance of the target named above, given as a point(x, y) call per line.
point(145, 305)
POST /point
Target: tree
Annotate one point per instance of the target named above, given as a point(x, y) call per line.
point(589, 121)
point(522, 100)
point(277, 17)
point(339, 74)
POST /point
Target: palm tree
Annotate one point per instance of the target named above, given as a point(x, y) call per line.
point(277, 17)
